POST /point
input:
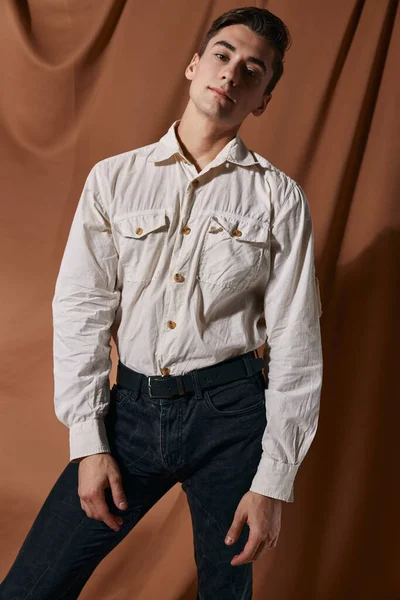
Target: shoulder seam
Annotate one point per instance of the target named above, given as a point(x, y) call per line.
point(291, 187)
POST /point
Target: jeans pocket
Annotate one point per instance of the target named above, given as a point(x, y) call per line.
point(236, 398)
point(123, 396)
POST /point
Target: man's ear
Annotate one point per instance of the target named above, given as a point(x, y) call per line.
point(191, 68)
point(257, 112)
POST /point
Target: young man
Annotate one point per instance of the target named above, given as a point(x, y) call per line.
point(192, 252)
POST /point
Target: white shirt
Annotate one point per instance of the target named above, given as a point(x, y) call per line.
point(226, 254)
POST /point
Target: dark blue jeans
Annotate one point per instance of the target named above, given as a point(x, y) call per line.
point(209, 441)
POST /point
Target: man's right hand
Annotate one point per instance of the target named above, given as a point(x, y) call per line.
point(96, 473)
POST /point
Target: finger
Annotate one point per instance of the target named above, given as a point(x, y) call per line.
point(235, 529)
point(266, 545)
point(86, 509)
point(248, 551)
point(94, 509)
point(117, 491)
point(101, 512)
point(262, 549)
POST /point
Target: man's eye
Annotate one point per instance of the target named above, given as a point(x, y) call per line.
point(253, 73)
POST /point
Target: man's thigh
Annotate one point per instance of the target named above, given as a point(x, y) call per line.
point(64, 545)
point(230, 424)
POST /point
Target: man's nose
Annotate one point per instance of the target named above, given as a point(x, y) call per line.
point(232, 75)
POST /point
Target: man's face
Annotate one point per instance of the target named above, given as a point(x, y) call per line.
point(235, 71)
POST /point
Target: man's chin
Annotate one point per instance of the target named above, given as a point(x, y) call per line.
point(223, 116)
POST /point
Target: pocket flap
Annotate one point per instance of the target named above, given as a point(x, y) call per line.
point(241, 229)
point(139, 225)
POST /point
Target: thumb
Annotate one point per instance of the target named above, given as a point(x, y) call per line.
point(118, 495)
point(235, 529)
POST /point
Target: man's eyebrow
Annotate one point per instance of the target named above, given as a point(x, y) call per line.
point(252, 59)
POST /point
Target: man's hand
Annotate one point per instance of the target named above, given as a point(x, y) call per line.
point(263, 516)
point(96, 473)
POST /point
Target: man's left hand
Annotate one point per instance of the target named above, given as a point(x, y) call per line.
point(263, 516)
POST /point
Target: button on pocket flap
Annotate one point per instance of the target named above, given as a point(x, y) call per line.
point(138, 226)
point(240, 229)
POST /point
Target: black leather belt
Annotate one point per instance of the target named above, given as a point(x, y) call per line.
point(231, 369)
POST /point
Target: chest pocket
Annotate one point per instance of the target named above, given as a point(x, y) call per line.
point(234, 252)
point(142, 240)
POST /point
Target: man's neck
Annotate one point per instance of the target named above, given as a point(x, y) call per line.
point(200, 138)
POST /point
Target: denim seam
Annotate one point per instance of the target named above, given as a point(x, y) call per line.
point(211, 518)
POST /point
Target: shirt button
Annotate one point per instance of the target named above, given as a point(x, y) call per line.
point(195, 182)
point(179, 277)
point(171, 324)
point(186, 230)
point(139, 230)
point(236, 232)
point(165, 371)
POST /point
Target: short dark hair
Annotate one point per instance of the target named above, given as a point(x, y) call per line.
point(262, 22)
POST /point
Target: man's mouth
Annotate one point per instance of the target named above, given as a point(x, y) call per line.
point(221, 92)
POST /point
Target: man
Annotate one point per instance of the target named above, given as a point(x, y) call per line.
point(192, 252)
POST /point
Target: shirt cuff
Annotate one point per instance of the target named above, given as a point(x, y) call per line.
point(274, 479)
point(86, 438)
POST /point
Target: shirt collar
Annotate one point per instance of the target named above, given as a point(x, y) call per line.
point(235, 150)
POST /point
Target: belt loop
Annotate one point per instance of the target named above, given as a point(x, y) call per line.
point(179, 383)
point(196, 383)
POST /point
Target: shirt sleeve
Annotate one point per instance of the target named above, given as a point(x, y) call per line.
point(293, 352)
point(83, 308)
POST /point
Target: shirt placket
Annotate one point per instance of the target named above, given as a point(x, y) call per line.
point(176, 288)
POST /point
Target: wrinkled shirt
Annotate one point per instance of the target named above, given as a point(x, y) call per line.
point(225, 254)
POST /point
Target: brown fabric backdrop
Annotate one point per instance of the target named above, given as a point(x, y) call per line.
point(83, 80)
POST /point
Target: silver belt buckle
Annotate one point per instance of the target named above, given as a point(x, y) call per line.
point(178, 379)
point(151, 378)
